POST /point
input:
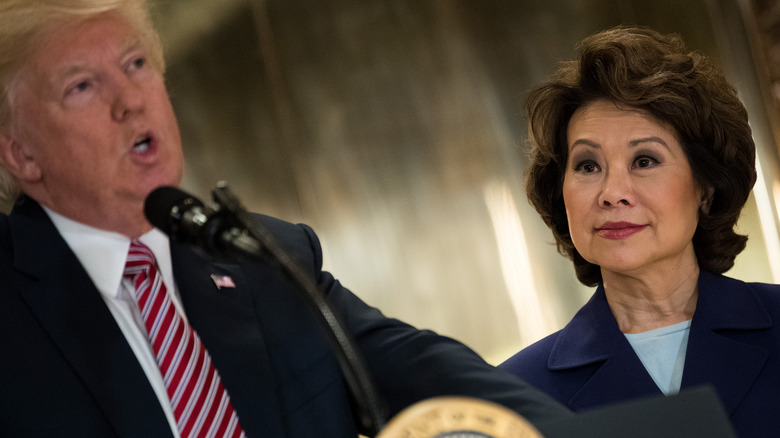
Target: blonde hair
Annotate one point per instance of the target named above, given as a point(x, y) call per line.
point(24, 24)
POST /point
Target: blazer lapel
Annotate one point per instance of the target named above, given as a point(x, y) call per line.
point(73, 313)
point(592, 339)
point(217, 299)
point(726, 311)
point(725, 307)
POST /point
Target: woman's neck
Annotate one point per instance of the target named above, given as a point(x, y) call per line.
point(658, 299)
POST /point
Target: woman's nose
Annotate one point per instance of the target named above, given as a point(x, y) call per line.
point(616, 189)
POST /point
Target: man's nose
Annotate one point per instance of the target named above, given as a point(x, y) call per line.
point(128, 98)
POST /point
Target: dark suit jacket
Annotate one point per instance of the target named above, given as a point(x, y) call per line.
point(66, 369)
point(734, 345)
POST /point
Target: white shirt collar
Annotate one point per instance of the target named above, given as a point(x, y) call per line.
point(103, 253)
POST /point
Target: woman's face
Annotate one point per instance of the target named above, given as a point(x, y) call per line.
point(630, 196)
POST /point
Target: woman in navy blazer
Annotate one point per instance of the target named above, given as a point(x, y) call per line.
point(641, 162)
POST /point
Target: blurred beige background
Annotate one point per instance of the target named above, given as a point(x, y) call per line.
point(394, 128)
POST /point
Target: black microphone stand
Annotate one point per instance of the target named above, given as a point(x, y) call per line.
point(371, 408)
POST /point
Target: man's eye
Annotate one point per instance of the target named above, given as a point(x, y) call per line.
point(79, 87)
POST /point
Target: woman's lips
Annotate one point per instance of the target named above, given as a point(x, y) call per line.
point(618, 230)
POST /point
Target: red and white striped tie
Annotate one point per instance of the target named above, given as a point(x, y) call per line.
point(200, 403)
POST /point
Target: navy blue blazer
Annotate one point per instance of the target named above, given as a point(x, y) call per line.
point(66, 369)
point(734, 345)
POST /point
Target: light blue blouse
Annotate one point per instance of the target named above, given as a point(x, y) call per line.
point(662, 352)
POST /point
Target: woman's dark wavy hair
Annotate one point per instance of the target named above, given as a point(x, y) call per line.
point(643, 69)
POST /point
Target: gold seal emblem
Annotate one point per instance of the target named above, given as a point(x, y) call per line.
point(458, 417)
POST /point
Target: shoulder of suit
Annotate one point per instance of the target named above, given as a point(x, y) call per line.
point(298, 240)
point(767, 292)
point(532, 356)
point(5, 233)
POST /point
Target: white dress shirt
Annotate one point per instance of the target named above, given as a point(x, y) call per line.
point(103, 255)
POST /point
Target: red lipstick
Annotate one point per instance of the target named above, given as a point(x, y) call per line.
point(618, 230)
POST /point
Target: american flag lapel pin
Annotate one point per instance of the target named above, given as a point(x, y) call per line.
point(223, 281)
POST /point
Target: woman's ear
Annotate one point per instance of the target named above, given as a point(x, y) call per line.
point(16, 158)
point(706, 199)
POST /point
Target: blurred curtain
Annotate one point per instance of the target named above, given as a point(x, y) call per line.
point(394, 128)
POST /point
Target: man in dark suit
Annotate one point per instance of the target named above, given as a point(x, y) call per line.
point(86, 133)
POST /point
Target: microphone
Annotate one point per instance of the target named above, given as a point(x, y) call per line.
point(228, 228)
point(185, 218)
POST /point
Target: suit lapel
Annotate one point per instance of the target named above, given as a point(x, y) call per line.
point(228, 323)
point(621, 377)
point(592, 339)
point(71, 310)
point(726, 312)
point(725, 307)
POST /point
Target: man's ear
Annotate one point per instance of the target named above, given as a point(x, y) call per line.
point(17, 160)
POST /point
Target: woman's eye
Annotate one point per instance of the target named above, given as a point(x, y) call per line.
point(587, 166)
point(644, 161)
point(139, 62)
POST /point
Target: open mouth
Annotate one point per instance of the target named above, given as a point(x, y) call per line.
point(143, 144)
